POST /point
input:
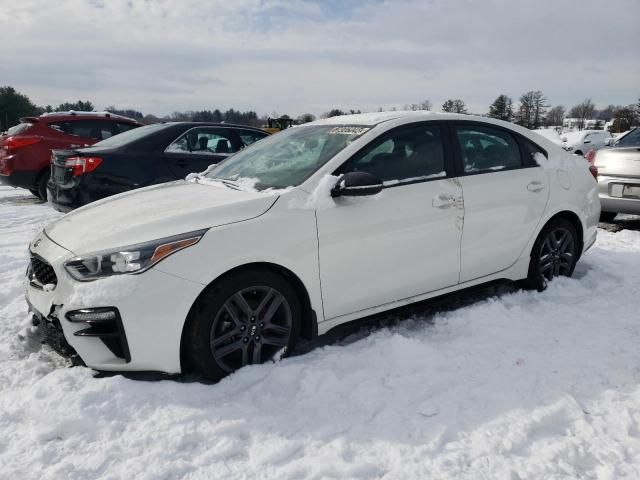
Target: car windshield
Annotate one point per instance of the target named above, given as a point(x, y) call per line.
point(631, 139)
point(288, 158)
point(130, 135)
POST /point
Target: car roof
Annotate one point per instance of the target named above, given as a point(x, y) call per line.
point(398, 118)
point(376, 118)
point(217, 124)
point(71, 115)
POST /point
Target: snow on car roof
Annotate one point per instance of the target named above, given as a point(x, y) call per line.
point(372, 118)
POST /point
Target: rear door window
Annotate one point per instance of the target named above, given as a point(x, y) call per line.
point(486, 149)
point(95, 129)
point(631, 139)
point(531, 153)
point(205, 141)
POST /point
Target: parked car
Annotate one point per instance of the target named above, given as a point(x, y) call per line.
point(619, 176)
point(310, 228)
point(630, 138)
point(25, 152)
point(583, 141)
point(149, 155)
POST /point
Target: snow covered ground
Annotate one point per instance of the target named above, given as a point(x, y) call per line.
point(516, 386)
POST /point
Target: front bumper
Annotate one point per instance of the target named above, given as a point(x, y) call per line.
point(152, 308)
point(609, 199)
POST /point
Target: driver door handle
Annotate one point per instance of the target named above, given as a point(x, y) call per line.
point(535, 186)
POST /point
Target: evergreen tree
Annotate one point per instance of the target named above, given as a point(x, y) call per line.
point(502, 108)
point(78, 106)
point(14, 105)
point(454, 106)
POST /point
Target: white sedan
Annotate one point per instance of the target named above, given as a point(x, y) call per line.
point(308, 229)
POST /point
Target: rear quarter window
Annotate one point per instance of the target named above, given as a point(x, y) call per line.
point(20, 128)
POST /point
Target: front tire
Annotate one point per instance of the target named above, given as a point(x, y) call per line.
point(246, 318)
point(555, 253)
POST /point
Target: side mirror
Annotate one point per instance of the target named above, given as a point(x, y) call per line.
point(357, 184)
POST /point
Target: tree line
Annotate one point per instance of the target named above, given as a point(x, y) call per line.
point(532, 111)
point(15, 105)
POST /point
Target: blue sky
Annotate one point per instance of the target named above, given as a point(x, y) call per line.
point(294, 56)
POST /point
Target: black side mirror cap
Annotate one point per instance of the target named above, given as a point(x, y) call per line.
point(357, 184)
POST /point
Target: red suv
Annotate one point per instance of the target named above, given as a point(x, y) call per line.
point(25, 150)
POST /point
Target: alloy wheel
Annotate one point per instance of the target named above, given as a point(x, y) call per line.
point(557, 254)
point(250, 327)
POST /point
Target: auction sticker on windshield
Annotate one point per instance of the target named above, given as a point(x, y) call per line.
point(349, 130)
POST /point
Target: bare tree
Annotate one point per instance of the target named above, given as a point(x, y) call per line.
point(582, 112)
point(555, 116)
point(624, 118)
point(531, 109)
point(424, 105)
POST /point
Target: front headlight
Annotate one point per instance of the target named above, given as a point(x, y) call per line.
point(131, 259)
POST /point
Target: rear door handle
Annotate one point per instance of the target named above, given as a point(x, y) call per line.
point(535, 186)
point(182, 163)
point(445, 201)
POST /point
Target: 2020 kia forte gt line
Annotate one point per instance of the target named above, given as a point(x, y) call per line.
point(310, 228)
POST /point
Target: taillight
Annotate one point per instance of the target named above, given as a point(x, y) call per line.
point(591, 158)
point(15, 143)
point(81, 165)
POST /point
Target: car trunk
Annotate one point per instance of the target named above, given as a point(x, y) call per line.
point(619, 162)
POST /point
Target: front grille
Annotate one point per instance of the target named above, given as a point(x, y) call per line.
point(42, 271)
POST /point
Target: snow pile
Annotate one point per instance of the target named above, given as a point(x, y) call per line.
point(519, 385)
point(550, 134)
point(572, 138)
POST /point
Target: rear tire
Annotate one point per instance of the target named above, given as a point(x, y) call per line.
point(607, 216)
point(246, 318)
point(555, 253)
point(43, 179)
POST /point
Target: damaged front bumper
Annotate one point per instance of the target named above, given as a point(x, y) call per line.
point(123, 323)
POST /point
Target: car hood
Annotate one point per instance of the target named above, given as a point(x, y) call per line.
point(155, 212)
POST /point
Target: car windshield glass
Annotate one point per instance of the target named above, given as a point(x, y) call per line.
point(288, 158)
point(131, 135)
point(631, 139)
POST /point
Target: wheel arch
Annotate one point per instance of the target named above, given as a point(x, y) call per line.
point(575, 221)
point(309, 327)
